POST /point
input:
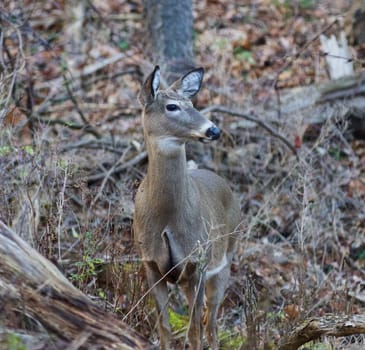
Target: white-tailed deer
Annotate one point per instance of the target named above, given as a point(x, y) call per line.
point(185, 220)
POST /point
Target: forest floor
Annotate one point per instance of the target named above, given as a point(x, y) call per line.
point(72, 156)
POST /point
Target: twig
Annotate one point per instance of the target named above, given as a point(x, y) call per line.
point(61, 203)
point(345, 93)
point(346, 59)
point(126, 165)
point(67, 124)
point(87, 127)
point(292, 58)
point(10, 91)
point(115, 38)
point(97, 144)
point(254, 119)
point(2, 61)
point(16, 68)
point(93, 68)
point(92, 81)
point(108, 174)
point(23, 26)
point(116, 16)
point(87, 71)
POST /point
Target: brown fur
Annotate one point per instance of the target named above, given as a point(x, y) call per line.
point(184, 219)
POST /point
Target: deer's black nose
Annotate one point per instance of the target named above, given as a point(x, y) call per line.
point(213, 133)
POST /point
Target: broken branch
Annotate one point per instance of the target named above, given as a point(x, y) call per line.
point(251, 117)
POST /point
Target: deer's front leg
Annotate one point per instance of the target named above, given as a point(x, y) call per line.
point(214, 292)
point(160, 294)
point(193, 287)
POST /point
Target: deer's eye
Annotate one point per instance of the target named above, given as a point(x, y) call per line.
point(172, 107)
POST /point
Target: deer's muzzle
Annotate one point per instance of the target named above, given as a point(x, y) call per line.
point(213, 133)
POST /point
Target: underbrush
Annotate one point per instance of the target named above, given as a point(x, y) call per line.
point(300, 245)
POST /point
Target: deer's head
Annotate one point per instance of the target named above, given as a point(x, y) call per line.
point(169, 114)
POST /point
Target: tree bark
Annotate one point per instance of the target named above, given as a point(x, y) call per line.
point(354, 22)
point(169, 30)
point(33, 291)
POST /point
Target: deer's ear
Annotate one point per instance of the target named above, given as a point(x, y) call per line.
point(189, 85)
point(150, 87)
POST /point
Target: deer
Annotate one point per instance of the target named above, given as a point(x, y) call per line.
point(185, 221)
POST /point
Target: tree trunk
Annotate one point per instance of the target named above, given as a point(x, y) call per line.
point(34, 295)
point(354, 22)
point(170, 36)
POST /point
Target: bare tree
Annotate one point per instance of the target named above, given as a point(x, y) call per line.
point(169, 26)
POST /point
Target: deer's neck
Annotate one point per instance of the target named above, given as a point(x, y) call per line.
point(167, 181)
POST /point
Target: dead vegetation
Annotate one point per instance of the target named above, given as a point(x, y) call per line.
point(72, 155)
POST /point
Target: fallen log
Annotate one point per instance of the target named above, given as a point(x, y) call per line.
point(330, 325)
point(34, 289)
point(316, 103)
point(336, 100)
